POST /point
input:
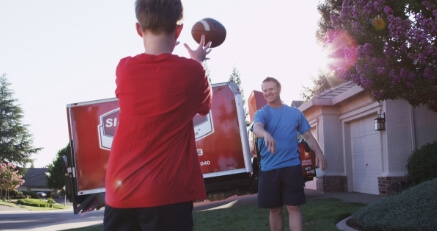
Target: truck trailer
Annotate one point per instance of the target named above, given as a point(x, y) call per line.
point(221, 140)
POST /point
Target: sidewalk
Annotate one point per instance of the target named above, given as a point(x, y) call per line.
point(344, 196)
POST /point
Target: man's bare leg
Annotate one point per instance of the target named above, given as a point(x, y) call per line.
point(295, 218)
point(275, 219)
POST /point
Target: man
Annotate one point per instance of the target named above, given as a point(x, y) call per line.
point(281, 177)
point(153, 173)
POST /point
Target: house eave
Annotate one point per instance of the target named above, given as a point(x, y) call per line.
point(332, 101)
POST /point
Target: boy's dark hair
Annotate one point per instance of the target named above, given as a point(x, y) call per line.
point(159, 15)
point(271, 79)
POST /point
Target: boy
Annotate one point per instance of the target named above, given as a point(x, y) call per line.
point(153, 173)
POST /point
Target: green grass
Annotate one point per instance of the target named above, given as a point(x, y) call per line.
point(13, 203)
point(319, 215)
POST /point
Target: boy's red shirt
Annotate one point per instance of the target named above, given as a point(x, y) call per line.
point(153, 159)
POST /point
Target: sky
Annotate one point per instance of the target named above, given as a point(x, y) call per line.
point(55, 53)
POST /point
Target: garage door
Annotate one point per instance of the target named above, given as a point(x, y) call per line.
point(366, 156)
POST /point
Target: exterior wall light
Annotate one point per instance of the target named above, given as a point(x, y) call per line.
point(380, 122)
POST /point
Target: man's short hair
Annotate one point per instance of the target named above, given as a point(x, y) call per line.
point(159, 15)
point(271, 79)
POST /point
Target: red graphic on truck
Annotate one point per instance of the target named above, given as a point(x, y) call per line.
point(108, 125)
point(203, 126)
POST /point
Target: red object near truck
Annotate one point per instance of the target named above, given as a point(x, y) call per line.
point(221, 140)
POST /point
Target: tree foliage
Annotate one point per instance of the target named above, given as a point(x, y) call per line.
point(10, 179)
point(56, 170)
point(388, 47)
point(322, 83)
point(15, 139)
point(235, 77)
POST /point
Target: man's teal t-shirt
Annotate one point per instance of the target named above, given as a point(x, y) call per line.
point(284, 124)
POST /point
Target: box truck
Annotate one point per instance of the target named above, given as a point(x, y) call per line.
point(221, 140)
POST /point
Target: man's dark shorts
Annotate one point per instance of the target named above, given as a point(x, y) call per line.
point(177, 217)
point(281, 186)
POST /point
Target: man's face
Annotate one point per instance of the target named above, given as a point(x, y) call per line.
point(271, 92)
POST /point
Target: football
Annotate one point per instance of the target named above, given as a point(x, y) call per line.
point(213, 30)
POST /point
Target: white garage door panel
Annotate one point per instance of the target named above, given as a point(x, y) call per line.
point(366, 156)
point(367, 143)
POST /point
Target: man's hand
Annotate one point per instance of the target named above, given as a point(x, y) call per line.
point(321, 161)
point(258, 129)
point(270, 142)
point(314, 145)
point(201, 52)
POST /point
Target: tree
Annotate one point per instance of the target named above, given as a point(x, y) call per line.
point(388, 47)
point(9, 178)
point(56, 180)
point(235, 77)
point(322, 83)
point(15, 140)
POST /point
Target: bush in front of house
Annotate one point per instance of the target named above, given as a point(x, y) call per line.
point(422, 164)
point(412, 209)
point(20, 195)
point(33, 202)
point(31, 194)
point(50, 202)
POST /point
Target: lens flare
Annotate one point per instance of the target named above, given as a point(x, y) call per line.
point(341, 49)
point(118, 183)
point(379, 23)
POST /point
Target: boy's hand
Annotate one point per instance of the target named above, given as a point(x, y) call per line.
point(202, 50)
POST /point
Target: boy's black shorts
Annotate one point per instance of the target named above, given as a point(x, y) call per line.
point(177, 217)
point(281, 186)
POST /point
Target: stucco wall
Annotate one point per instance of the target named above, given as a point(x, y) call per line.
point(408, 129)
point(399, 137)
point(425, 123)
point(327, 130)
point(330, 139)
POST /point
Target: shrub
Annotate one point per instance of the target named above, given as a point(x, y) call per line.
point(422, 164)
point(412, 209)
point(31, 194)
point(50, 202)
point(33, 202)
point(13, 193)
point(21, 195)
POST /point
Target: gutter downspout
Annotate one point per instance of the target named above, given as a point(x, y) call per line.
point(413, 129)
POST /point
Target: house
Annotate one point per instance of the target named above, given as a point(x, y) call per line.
point(360, 157)
point(35, 180)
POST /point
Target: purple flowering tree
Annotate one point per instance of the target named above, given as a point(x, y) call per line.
point(9, 179)
point(388, 47)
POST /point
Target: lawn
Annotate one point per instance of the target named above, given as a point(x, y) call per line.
point(13, 203)
point(319, 215)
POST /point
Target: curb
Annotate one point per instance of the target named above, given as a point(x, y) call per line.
point(342, 225)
